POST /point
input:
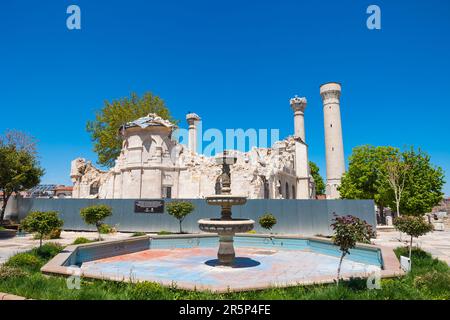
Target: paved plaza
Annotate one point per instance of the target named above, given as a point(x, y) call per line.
point(437, 243)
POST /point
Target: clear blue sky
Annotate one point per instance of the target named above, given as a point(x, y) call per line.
point(235, 63)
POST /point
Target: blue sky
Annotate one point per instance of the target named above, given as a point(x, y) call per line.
point(236, 64)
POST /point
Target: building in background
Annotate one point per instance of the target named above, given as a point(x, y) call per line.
point(154, 165)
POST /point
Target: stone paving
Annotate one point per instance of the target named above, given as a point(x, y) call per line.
point(437, 243)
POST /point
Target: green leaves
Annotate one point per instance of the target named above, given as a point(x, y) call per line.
point(104, 130)
point(42, 223)
point(320, 185)
point(267, 221)
point(19, 168)
point(368, 178)
point(95, 214)
point(423, 187)
point(412, 225)
point(348, 230)
point(180, 209)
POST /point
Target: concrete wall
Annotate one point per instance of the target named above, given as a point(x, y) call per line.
point(306, 217)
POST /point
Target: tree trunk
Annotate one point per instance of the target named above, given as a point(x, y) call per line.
point(98, 230)
point(181, 230)
point(40, 240)
point(339, 268)
point(4, 204)
point(397, 202)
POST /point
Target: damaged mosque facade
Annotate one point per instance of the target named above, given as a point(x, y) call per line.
point(154, 165)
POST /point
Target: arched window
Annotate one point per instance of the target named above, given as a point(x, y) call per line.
point(294, 196)
point(280, 188)
point(287, 191)
point(94, 189)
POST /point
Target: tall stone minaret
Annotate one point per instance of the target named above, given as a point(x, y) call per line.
point(334, 146)
point(192, 120)
point(298, 105)
point(303, 191)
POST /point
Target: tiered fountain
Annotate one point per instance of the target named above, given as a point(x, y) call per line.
point(226, 226)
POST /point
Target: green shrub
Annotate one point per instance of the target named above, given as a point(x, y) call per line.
point(413, 226)
point(44, 223)
point(164, 233)
point(180, 209)
point(7, 272)
point(95, 215)
point(267, 221)
point(348, 231)
point(106, 229)
point(252, 232)
point(148, 291)
point(82, 240)
point(26, 261)
point(138, 234)
point(435, 282)
point(47, 251)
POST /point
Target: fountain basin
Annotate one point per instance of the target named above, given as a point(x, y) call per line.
point(184, 260)
point(226, 200)
point(226, 226)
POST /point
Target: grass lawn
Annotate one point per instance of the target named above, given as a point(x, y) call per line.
point(430, 279)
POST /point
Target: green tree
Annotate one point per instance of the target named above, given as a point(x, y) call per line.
point(320, 185)
point(423, 186)
point(95, 215)
point(104, 130)
point(42, 223)
point(267, 221)
point(366, 177)
point(180, 209)
point(348, 231)
point(414, 226)
point(19, 168)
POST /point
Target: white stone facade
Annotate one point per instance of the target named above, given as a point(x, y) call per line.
point(153, 165)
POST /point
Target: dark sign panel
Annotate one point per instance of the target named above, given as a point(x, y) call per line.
point(149, 206)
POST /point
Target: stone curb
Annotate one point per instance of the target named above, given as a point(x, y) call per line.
point(7, 296)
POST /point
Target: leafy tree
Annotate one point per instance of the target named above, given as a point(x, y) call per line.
point(320, 185)
point(42, 223)
point(95, 215)
point(104, 130)
point(348, 231)
point(423, 186)
point(180, 209)
point(397, 173)
point(413, 226)
point(267, 221)
point(365, 178)
point(19, 168)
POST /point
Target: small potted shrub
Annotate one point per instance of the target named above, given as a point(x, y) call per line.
point(43, 223)
point(267, 221)
point(180, 209)
point(348, 231)
point(413, 226)
point(95, 215)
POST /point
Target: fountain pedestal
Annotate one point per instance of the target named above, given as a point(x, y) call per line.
point(226, 227)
